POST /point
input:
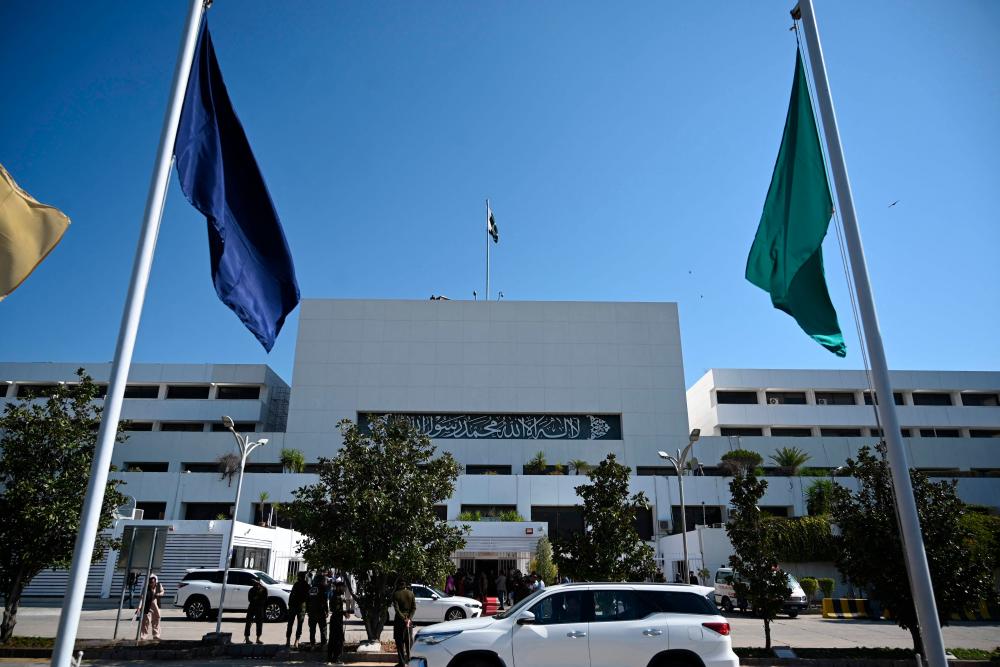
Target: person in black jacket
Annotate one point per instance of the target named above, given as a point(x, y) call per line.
point(297, 608)
point(317, 606)
point(257, 596)
point(338, 612)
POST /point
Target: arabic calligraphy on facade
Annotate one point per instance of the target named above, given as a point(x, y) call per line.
point(512, 427)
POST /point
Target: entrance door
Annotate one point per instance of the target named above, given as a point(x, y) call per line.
point(559, 634)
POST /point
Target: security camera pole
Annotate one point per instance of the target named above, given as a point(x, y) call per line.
point(245, 448)
point(679, 462)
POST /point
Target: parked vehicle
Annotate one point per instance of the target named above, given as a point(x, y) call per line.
point(726, 598)
point(588, 625)
point(199, 592)
point(434, 606)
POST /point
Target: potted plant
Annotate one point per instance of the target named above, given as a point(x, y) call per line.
point(578, 467)
point(292, 460)
point(789, 460)
point(536, 465)
point(263, 497)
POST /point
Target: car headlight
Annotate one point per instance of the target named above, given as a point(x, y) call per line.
point(473, 605)
point(435, 637)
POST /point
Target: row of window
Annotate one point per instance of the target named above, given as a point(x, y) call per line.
point(174, 391)
point(617, 605)
point(856, 432)
point(188, 427)
point(968, 399)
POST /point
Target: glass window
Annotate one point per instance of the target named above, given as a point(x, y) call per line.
point(137, 426)
point(931, 398)
point(736, 397)
point(563, 521)
point(563, 607)
point(897, 397)
point(487, 470)
point(36, 390)
point(240, 578)
point(981, 400)
point(985, 432)
point(840, 432)
point(237, 393)
point(213, 576)
point(190, 427)
point(152, 510)
point(940, 433)
point(145, 466)
point(834, 398)
point(240, 427)
point(786, 398)
point(677, 602)
point(616, 605)
point(142, 391)
point(742, 430)
point(790, 432)
point(187, 391)
point(421, 592)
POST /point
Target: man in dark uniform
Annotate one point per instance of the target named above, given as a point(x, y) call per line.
point(297, 608)
point(317, 606)
point(257, 596)
point(404, 603)
point(335, 649)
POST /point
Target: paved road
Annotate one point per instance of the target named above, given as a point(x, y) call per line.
point(39, 618)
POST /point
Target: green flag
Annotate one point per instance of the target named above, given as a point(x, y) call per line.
point(786, 259)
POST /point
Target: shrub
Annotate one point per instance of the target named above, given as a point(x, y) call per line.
point(826, 585)
point(789, 459)
point(536, 465)
point(809, 587)
point(470, 516)
point(819, 496)
point(510, 515)
point(292, 460)
point(802, 539)
point(741, 460)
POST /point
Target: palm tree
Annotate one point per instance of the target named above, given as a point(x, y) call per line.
point(536, 465)
point(790, 459)
point(578, 467)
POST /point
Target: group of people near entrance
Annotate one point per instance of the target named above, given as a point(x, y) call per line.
point(319, 598)
point(508, 588)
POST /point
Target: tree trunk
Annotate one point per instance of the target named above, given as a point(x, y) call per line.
point(12, 600)
point(918, 645)
point(767, 634)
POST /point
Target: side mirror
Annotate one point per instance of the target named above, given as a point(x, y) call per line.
point(435, 596)
point(525, 618)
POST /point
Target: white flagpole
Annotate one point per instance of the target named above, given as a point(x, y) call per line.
point(906, 508)
point(69, 620)
point(487, 250)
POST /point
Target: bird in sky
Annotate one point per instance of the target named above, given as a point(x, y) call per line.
point(893, 203)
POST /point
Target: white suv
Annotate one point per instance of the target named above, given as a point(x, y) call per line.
point(600, 625)
point(199, 591)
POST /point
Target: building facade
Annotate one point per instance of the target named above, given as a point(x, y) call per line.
point(497, 384)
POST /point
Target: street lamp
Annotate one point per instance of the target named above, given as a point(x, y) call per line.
point(246, 446)
point(679, 462)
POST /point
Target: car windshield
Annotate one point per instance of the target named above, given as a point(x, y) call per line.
point(265, 578)
point(518, 606)
point(436, 592)
point(792, 581)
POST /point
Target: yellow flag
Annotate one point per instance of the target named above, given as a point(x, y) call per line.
point(29, 231)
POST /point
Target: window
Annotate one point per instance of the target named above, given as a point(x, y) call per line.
point(834, 398)
point(489, 511)
point(906, 432)
point(200, 467)
point(264, 516)
point(152, 509)
point(213, 576)
point(786, 398)
point(138, 426)
point(487, 470)
point(208, 511)
point(187, 391)
point(931, 398)
point(563, 607)
point(840, 432)
point(973, 400)
point(788, 432)
point(776, 510)
point(3, 389)
point(695, 515)
point(897, 398)
point(264, 467)
point(564, 521)
point(238, 393)
point(673, 602)
point(441, 512)
point(657, 471)
point(643, 523)
point(36, 390)
point(736, 397)
point(145, 466)
point(102, 390)
point(422, 592)
point(940, 433)
point(241, 427)
point(182, 426)
point(242, 578)
point(142, 391)
point(985, 432)
point(617, 605)
point(742, 430)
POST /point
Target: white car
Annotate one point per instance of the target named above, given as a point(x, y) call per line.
point(726, 598)
point(434, 606)
point(199, 592)
point(595, 625)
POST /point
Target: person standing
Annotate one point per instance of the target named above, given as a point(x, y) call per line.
point(501, 584)
point(693, 578)
point(131, 581)
point(484, 587)
point(317, 606)
point(297, 608)
point(338, 612)
point(404, 603)
point(449, 585)
point(257, 598)
point(151, 608)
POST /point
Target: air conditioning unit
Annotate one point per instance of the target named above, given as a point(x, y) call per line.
point(773, 401)
point(663, 525)
point(820, 401)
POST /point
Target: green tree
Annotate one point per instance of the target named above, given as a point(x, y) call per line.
point(578, 467)
point(544, 565)
point(609, 548)
point(372, 513)
point(819, 497)
point(759, 580)
point(789, 459)
point(46, 450)
point(536, 465)
point(741, 461)
point(871, 553)
point(292, 460)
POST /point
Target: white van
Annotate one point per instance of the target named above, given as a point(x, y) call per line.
point(725, 594)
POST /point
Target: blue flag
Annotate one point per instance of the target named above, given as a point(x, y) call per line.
point(251, 265)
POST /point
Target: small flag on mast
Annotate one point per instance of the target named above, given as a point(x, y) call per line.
point(251, 265)
point(29, 230)
point(491, 227)
point(786, 259)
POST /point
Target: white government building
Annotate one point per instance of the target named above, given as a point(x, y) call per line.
point(495, 383)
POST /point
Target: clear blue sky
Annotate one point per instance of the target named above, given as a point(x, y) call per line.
point(627, 149)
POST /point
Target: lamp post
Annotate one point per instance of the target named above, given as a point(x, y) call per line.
point(246, 446)
point(679, 462)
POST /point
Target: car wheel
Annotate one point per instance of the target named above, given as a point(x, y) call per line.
point(274, 611)
point(454, 614)
point(727, 605)
point(793, 613)
point(196, 608)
